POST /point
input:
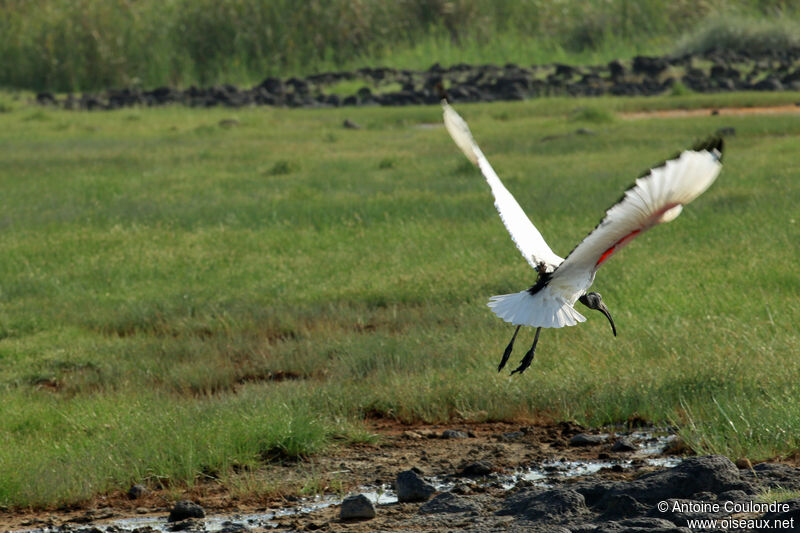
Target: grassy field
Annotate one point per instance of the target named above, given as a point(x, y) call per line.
point(85, 45)
point(184, 296)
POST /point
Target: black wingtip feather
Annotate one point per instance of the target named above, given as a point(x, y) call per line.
point(711, 144)
point(442, 93)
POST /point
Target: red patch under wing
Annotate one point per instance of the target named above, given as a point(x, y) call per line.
point(617, 245)
point(651, 221)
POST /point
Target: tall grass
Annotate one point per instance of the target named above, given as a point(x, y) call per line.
point(97, 44)
point(743, 34)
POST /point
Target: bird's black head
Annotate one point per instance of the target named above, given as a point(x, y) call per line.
point(593, 300)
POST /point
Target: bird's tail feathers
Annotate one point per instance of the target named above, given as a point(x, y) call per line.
point(538, 310)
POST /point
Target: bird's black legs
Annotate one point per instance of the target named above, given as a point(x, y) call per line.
point(526, 361)
point(508, 350)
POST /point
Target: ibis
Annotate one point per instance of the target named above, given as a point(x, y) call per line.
point(657, 196)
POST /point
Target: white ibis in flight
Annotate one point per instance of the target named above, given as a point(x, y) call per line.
point(657, 196)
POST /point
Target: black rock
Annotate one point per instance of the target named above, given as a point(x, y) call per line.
point(791, 77)
point(594, 491)
point(624, 444)
point(565, 70)
point(513, 435)
point(773, 476)
point(231, 527)
point(787, 518)
point(732, 496)
point(539, 528)
point(769, 84)
point(585, 439)
point(616, 68)
point(711, 473)
point(91, 102)
point(623, 506)
point(137, 491)
point(273, 85)
point(477, 469)
point(411, 487)
point(450, 503)
point(774, 70)
point(643, 525)
point(165, 95)
point(453, 434)
point(464, 488)
point(625, 89)
point(404, 97)
point(299, 85)
point(679, 510)
point(45, 98)
point(357, 507)
point(330, 99)
point(540, 504)
point(652, 66)
point(185, 509)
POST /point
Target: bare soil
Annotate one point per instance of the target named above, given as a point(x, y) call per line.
point(725, 111)
point(506, 446)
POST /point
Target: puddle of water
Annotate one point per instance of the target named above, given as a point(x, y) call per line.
point(385, 495)
point(649, 447)
point(213, 523)
point(550, 469)
point(652, 443)
point(378, 495)
point(567, 469)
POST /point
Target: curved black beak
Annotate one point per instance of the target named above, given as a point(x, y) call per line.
point(603, 309)
point(593, 300)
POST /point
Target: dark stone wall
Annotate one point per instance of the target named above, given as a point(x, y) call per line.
point(715, 71)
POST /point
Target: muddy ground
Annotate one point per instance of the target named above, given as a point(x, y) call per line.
point(506, 447)
point(624, 496)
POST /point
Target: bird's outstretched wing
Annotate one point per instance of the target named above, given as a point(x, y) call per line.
point(657, 196)
point(527, 238)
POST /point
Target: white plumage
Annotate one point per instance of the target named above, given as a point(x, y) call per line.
point(527, 238)
point(656, 197)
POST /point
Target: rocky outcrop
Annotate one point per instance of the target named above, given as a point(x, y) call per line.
point(643, 75)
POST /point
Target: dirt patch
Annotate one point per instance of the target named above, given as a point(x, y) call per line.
point(433, 449)
point(710, 111)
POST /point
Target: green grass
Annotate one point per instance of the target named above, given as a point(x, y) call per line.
point(592, 114)
point(744, 34)
point(99, 44)
point(679, 89)
point(180, 299)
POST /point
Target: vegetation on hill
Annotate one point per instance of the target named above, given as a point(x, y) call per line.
point(100, 44)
